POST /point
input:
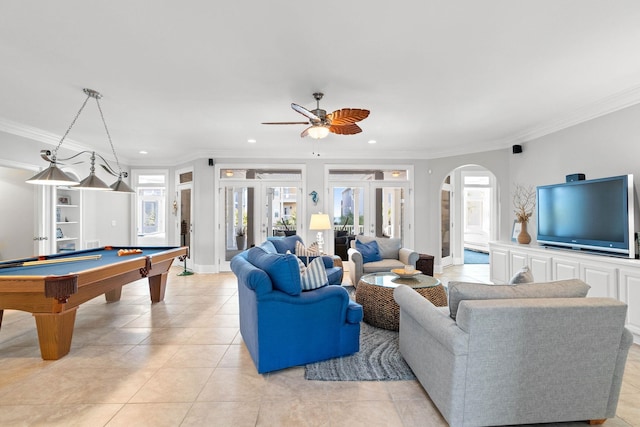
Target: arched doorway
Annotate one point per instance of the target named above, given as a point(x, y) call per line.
point(468, 213)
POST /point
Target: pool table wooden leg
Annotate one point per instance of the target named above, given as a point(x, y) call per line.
point(113, 295)
point(157, 285)
point(54, 333)
point(1, 313)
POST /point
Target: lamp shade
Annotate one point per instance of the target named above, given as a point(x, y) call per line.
point(92, 182)
point(121, 186)
point(320, 221)
point(52, 176)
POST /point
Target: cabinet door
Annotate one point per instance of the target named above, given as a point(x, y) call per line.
point(517, 261)
point(499, 266)
point(601, 278)
point(540, 268)
point(565, 269)
point(629, 292)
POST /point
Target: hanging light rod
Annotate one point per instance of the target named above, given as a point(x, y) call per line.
point(53, 175)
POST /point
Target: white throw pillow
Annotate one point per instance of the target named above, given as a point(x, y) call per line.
point(522, 276)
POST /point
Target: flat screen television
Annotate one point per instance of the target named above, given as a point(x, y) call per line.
point(594, 215)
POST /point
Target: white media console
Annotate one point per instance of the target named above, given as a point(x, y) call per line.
point(612, 277)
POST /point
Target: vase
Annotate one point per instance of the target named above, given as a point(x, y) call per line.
point(524, 238)
point(240, 242)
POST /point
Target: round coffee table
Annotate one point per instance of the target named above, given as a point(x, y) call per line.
point(375, 294)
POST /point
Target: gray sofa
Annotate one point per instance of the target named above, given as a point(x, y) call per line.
point(515, 358)
point(392, 253)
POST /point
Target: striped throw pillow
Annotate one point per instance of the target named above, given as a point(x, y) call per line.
point(314, 276)
point(312, 250)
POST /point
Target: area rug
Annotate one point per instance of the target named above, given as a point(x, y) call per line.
point(475, 257)
point(379, 359)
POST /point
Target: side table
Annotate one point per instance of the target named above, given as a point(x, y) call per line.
point(337, 262)
point(425, 264)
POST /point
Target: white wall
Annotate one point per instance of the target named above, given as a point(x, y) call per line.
point(17, 216)
point(605, 146)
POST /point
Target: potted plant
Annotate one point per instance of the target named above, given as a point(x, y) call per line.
point(240, 238)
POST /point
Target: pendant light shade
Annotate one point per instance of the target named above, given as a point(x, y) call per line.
point(92, 182)
point(52, 176)
point(121, 186)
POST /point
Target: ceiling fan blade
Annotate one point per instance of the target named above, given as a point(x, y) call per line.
point(285, 123)
point(305, 132)
point(348, 129)
point(347, 115)
point(305, 112)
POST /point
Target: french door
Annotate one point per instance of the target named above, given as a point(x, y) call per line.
point(446, 227)
point(183, 209)
point(371, 203)
point(251, 210)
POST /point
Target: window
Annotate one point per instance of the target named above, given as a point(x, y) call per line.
point(151, 207)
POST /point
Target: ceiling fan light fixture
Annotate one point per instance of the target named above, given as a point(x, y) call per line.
point(318, 132)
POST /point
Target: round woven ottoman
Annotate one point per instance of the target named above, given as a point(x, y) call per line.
point(375, 294)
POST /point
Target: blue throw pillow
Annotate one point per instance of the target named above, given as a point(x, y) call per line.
point(370, 251)
point(286, 244)
point(283, 269)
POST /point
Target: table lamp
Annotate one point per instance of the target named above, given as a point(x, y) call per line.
point(320, 222)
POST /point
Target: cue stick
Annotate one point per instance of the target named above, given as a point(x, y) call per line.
point(50, 261)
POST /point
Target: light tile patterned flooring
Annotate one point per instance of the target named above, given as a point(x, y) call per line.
point(182, 363)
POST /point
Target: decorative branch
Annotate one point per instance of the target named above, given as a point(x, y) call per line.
point(524, 201)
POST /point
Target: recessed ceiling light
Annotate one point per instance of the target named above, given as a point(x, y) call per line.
point(143, 152)
point(251, 141)
point(372, 141)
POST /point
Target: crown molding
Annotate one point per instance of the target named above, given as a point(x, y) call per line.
point(40, 135)
point(602, 107)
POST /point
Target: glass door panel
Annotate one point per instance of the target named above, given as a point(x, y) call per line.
point(445, 223)
point(281, 210)
point(389, 212)
point(238, 203)
point(349, 216)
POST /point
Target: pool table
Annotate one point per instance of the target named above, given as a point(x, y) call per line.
point(53, 290)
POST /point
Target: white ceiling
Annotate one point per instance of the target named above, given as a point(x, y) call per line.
point(193, 79)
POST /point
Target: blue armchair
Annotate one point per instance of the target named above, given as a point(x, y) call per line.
point(283, 326)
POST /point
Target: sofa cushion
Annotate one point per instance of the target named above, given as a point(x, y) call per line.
point(314, 276)
point(460, 291)
point(282, 269)
point(389, 248)
point(370, 251)
point(522, 276)
point(382, 265)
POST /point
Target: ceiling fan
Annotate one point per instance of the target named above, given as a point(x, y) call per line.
point(341, 122)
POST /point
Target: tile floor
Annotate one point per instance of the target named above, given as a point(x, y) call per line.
point(182, 363)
